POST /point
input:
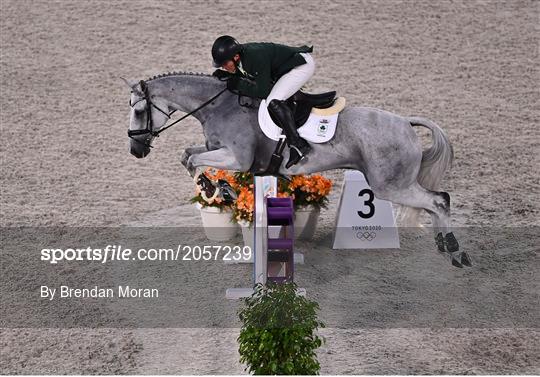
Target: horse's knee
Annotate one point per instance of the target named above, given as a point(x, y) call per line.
point(244, 166)
point(191, 165)
point(185, 158)
point(244, 161)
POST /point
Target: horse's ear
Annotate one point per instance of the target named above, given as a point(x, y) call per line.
point(131, 83)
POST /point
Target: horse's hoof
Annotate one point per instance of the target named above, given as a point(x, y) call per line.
point(439, 240)
point(451, 243)
point(456, 263)
point(465, 259)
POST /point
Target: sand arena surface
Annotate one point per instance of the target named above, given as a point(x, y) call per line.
point(472, 67)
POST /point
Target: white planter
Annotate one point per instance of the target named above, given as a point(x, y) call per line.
point(217, 223)
point(305, 222)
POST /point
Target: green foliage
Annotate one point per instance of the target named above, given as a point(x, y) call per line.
point(243, 179)
point(278, 334)
point(302, 199)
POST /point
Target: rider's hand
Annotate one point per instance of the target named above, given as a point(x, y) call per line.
point(221, 74)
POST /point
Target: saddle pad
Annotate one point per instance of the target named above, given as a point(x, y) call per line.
point(320, 127)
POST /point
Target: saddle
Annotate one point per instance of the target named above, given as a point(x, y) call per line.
point(301, 104)
point(326, 107)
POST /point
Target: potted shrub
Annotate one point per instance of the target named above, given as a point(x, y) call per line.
point(278, 334)
point(215, 210)
point(310, 194)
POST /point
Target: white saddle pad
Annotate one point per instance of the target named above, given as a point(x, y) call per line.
point(320, 127)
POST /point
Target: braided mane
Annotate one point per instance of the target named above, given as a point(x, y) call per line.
point(178, 74)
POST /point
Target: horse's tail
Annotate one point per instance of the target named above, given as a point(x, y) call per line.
point(436, 160)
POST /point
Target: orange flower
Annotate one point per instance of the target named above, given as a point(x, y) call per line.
point(309, 190)
point(217, 174)
point(245, 205)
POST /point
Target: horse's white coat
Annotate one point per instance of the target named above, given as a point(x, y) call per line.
point(380, 144)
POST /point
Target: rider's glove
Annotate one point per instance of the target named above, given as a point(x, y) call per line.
point(221, 74)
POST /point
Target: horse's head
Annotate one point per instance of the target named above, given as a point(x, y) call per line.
point(148, 115)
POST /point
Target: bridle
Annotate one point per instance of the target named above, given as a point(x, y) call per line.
point(149, 129)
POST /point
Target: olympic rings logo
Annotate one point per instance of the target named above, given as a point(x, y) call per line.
point(366, 236)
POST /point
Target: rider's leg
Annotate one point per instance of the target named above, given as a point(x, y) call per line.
point(284, 88)
point(283, 116)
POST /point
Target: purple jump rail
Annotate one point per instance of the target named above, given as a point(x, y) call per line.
point(280, 211)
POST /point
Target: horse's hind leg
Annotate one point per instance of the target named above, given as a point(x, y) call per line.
point(437, 204)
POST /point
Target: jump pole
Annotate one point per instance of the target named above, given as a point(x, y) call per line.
point(265, 187)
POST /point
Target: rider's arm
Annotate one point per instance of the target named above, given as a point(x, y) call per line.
point(259, 85)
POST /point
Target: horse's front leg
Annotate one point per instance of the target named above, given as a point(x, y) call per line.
point(221, 158)
point(188, 152)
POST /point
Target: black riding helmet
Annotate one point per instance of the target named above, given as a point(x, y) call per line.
point(224, 48)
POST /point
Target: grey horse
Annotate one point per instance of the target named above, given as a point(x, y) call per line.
point(382, 145)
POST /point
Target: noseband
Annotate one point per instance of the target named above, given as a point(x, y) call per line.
point(149, 129)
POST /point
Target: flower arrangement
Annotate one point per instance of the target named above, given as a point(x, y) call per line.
point(244, 206)
point(307, 190)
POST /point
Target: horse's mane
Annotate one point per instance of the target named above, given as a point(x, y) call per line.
point(178, 74)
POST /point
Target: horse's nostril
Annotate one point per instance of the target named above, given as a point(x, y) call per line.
point(135, 152)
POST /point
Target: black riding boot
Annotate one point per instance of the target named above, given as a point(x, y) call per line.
point(283, 116)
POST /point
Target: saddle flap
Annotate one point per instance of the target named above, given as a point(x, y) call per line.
point(315, 127)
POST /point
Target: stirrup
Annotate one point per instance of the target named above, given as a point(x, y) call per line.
point(293, 160)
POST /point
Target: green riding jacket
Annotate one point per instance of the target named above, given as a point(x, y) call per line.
point(265, 63)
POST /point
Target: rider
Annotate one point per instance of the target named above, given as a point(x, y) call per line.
point(271, 71)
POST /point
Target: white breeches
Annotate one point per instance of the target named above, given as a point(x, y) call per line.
point(292, 81)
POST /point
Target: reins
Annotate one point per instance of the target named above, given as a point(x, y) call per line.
point(190, 113)
point(149, 126)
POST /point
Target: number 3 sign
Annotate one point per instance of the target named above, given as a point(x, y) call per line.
point(363, 221)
